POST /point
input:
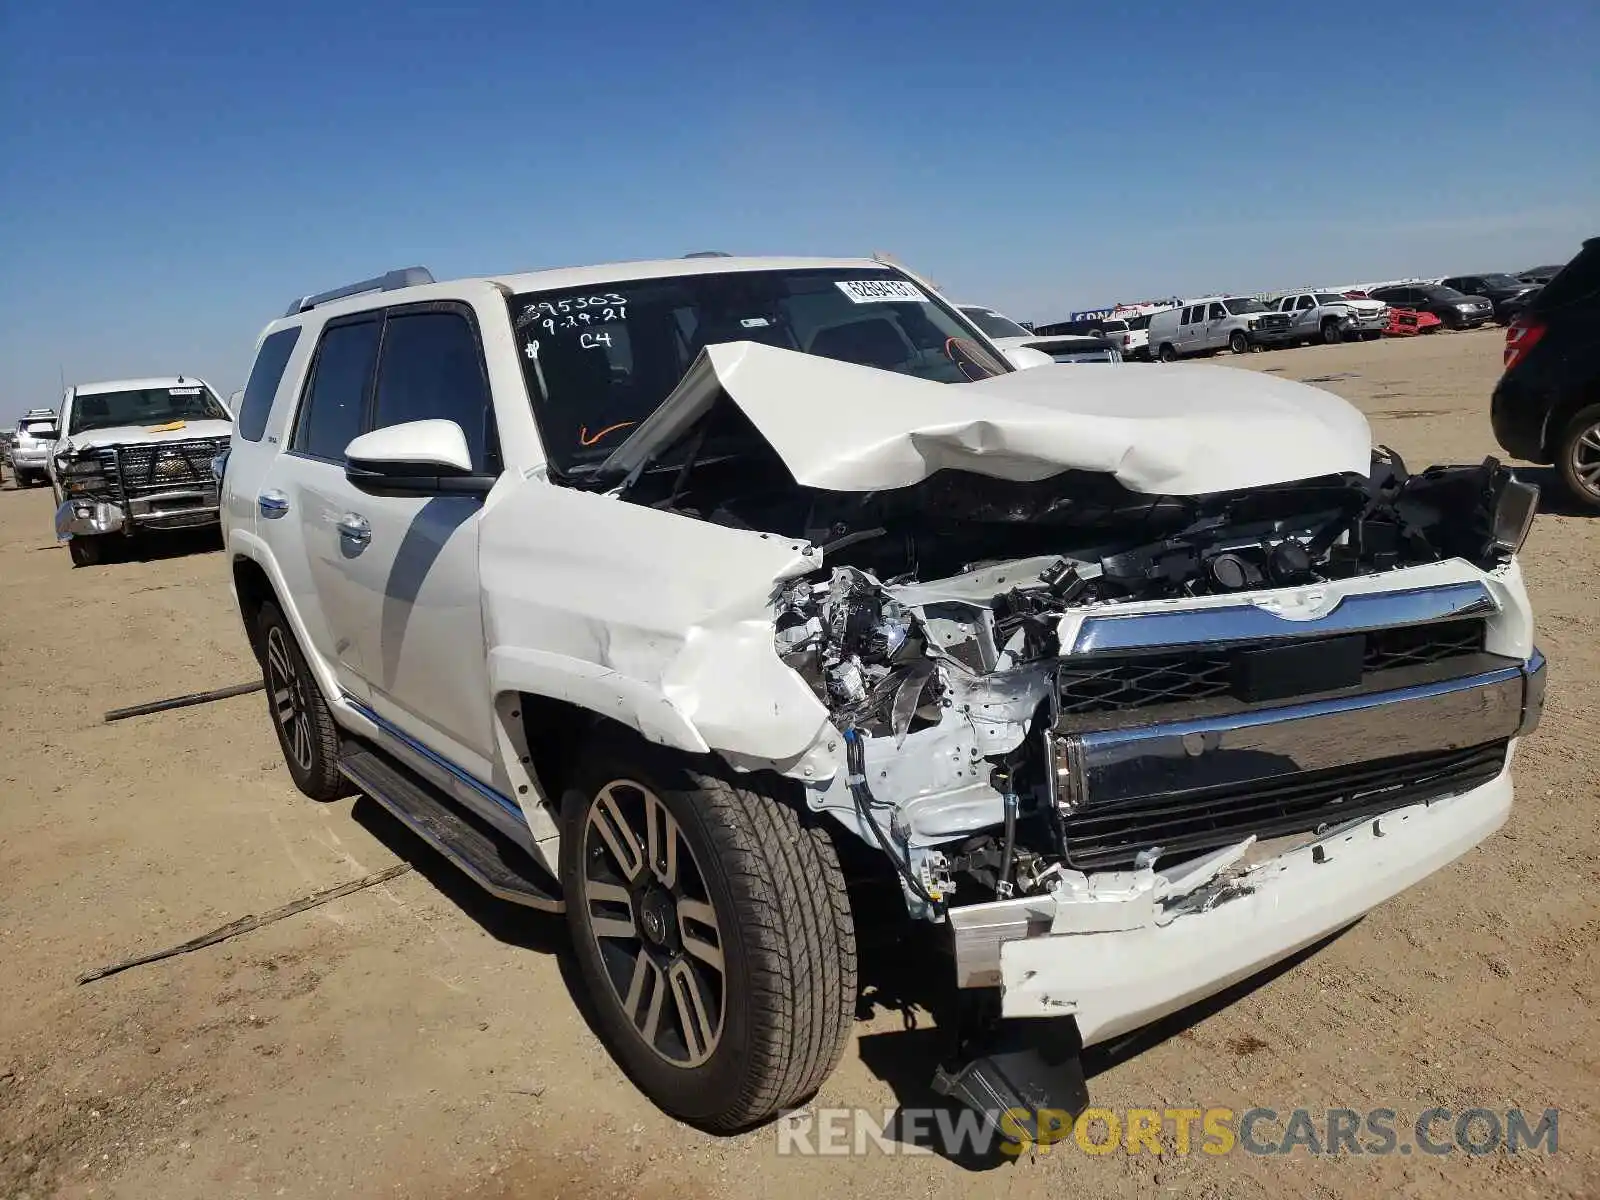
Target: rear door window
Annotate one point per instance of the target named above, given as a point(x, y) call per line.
point(265, 376)
point(432, 369)
point(334, 405)
point(1577, 283)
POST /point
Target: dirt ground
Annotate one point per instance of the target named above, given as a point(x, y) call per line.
point(418, 1040)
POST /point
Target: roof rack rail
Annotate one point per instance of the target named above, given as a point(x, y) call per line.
point(389, 281)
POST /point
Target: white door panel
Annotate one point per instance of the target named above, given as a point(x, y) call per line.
point(310, 553)
point(417, 620)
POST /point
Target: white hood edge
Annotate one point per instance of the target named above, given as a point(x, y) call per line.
point(1175, 429)
point(128, 435)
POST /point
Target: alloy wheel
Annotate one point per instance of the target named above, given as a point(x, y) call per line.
point(1586, 459)
point(653, 923)
point(288, 694)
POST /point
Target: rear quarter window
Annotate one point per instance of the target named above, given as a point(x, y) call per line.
point(265, 376)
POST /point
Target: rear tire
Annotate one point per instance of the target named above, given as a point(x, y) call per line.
point(1238, 342)
point(1578, 457)
point(307, 734)
point(710, 921)
point(1168, 354)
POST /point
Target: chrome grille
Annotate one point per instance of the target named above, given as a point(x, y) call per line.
point(1109, 835)
point(162, 466)
point(1141, 681)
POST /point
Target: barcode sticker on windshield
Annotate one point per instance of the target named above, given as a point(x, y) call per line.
point(183, 391)
point(877, 291)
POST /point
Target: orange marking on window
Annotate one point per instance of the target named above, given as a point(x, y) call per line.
point(585, 440)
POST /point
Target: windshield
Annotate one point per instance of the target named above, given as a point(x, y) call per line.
point(1502, 281)
point(1244, 304)
point(145, 406)
point(598, 361)
point(1439, 292)
point(993, 323)
point(1329, 298)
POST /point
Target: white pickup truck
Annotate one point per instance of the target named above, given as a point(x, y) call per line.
point(1332, 317)
point(662, 593)
point(134, 457)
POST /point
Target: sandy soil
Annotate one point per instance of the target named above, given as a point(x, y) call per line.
point(418, 1040)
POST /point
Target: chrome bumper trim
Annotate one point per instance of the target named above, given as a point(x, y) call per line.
point(1239, 750)
point(88, 518)
point(1188, 627)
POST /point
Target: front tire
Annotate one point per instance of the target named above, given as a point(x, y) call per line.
point(85, 551)
point(1238, 342)
point(711, 925)
point(1332, 333)
point(306, 731)
point(1578, 457)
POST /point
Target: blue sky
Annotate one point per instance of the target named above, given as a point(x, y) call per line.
point(172, 174)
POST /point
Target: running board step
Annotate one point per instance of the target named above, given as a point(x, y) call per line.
point(493, 861)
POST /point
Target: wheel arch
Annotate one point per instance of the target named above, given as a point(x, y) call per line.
point(251, 589)
point(1562, 412)
point(256, 579)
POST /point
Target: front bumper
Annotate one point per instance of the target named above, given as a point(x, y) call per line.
point(1270, 337)
point(30, 460)
point(1119, 949)
point(89, 516)
point(1115, 982)
point(1518, 414)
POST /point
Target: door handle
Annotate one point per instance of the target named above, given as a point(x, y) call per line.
point(355, 527)
point(272, 504)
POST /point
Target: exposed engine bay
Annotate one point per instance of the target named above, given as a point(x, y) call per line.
point(932, 633)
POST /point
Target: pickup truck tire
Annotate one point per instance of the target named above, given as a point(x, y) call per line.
point(85, 551)
point(1238, 342)
point(306, 732)
point(1332, 332)
point(753, 887)
point(1578, 456)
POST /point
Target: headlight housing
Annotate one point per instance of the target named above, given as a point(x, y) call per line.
point(1514, 510)
point(80, 475)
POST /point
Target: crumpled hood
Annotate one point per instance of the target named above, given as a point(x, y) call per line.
point(1174, 429)
point(127, 435)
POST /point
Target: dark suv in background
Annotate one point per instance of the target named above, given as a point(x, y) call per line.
point(1546, 407)
point(1503, 291)
point(1456, 310)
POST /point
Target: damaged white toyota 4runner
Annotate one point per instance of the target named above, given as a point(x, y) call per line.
point(653, 592)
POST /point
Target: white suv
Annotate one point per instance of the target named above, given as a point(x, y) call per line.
point(668, 594)
point(30, 452)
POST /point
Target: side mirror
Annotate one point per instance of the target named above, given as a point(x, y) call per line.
point(417, 458)
point(1023, 357)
